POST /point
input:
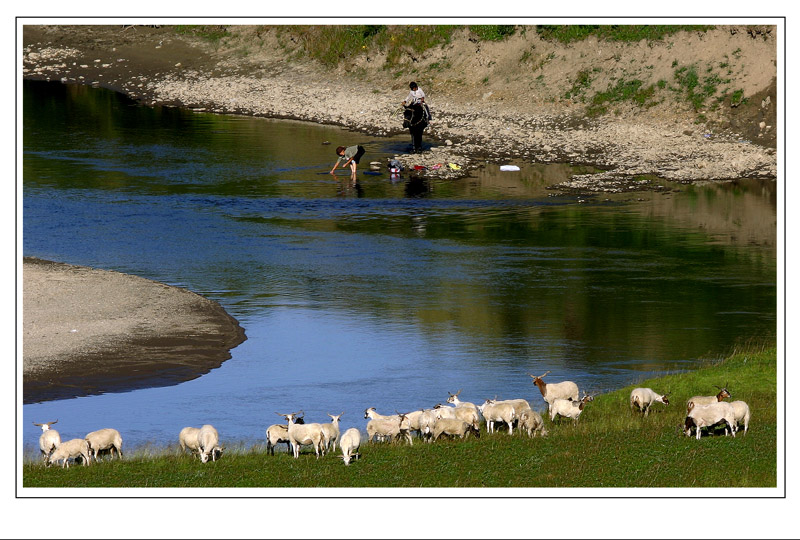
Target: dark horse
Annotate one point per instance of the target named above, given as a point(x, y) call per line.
point(415, 118)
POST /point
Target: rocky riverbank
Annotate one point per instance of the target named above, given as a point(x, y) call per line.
point(472, 125)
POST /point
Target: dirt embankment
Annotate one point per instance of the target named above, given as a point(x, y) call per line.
point(521, 99)
point(88, 331)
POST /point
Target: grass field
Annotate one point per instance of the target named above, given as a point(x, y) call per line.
point(608, 447)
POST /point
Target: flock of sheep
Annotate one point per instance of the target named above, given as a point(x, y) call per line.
point(457, 420)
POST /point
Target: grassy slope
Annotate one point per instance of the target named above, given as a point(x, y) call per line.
point(608, 447)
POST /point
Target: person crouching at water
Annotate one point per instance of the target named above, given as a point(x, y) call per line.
point(351, 155)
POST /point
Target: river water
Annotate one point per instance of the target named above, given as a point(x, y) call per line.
point(389, 293)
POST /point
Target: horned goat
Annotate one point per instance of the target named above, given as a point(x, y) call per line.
point(723, 394)
point(300, 434)
point(104, 439)
point(72, 449)
point(531, 422)
point(569, 408)
point(493, 411)
point(208, 443)
point(49, 439)
point(454, 428)
point(700, 416)
point(349, 444)
point(741, 412)
point(643, 398)
point(553, 391)
point(330, 433)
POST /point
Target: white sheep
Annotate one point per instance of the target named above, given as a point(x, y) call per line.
point(643, 398)
point(71, 449)
point(388, 428)
point(105, 439)
point(349, 443)
point(700, 416)
point(330, 433)
point(277, 433)
point(300, 434)
point(708, 400)
point(454, 428)
point(49, 439)
point(498, 412)
point(188, 439)
point(531, 422)
point(569, 408)
point(427, 418)
point(741, 412)
point(208, 443)
point(453, 398)
point(553, 391)
point(404, 424)
point(466, 414)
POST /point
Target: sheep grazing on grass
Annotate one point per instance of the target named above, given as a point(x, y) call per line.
point(72, 449)
point(454, 428)
point(493, 411)
point(404, 424)
point(49, 439)
point(188, 439)
point(387, 428)
point(569, 408)
point(349, 443)
point(208, 443)
point(330, 433)
point(553, 391)
point(707, 416)
point(300, 434)
point(722, 395)
point(531, 422)
point(643, 398)
point(105, 439)
point(466, 414)
point(741, 412)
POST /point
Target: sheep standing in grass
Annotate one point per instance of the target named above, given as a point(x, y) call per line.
point(403, 423)
point(330, 433)
point(426, 421)
point(277, 433)
point(49, 439)
point(700, 416)
point(531, 422)
point(553, 391)
point(569, 408)
point(498, 412)
point(72, 449)
point(466, 414)
point(386, 428)
point(208, 443)
point(454, 428)
point(300, 434)
point(105, 439)
point(349, 444)
point(722, 395)
point(741, 413)
point(643, 398)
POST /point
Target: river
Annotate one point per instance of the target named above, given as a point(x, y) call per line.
point(388, 293)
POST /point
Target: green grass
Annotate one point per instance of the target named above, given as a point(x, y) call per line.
point(210, 32)
point(614, 32)
point(632, 90)
point(608, 447)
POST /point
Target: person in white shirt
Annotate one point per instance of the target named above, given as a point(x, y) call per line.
point(416, 117)
point(416, 95)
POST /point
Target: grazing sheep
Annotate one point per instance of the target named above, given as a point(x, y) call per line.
point(454, 428)
point(300, 434)
point(643, 398)
point(71, 449)
point(741, 412)
point(349, 444)
point(105, 439)
point(498, 412)
point(531, 422)
point(188, 439)
point(569, 408)
point(553, 391)
point(700, 416)
point(466, 414)
point(708, 400)
point(330, 433)
point(208, 443)
point(277, 433)
point(49, 439)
